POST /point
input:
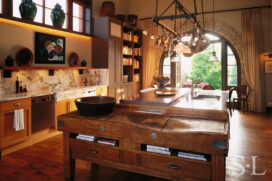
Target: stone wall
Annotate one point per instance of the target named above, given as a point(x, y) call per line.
point(38, 80)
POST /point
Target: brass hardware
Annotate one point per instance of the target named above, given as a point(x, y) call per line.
point(173, 166)
point(93, 151)
point(17, 104)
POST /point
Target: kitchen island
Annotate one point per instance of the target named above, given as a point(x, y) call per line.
point(189, 145)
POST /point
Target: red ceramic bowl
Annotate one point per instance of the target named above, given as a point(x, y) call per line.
point(73, 59)
point(24, 57)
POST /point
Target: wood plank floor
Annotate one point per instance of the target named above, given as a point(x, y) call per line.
point(250, 155)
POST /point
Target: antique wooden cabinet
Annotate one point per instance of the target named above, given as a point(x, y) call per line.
point(130, 130)
point(8, 135)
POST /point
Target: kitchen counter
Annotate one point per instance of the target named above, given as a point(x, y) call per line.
point(59, 95)
point(202, 99)
point(151, 99)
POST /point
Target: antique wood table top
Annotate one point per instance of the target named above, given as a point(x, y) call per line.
point(134, 128)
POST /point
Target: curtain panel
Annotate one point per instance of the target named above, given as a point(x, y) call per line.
point(151, 52)
point(252, 41)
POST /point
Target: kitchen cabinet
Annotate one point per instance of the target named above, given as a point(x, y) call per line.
point(8, 135)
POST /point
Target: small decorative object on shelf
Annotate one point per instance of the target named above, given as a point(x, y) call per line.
point(121, 17)
point(24, 57)
point(73, 59)
point(17, 85)
point(132, 19)
point(57, 16)
point(83, 63)
point(107, 8)
point(28, 10)
point(9, 61)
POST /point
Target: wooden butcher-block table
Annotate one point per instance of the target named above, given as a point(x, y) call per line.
point(134, 127)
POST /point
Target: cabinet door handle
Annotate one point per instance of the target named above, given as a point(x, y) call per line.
point(173, 166)
point(17, 104)
point(93, 151)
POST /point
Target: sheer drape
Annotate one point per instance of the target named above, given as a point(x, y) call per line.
point(252, 48)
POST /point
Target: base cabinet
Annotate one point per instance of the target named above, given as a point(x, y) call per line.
point(8, 135)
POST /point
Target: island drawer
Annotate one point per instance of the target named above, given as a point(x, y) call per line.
point(177, 167)
point(90, 150)
point(14, 105)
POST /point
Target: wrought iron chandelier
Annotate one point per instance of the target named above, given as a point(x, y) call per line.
point(174, 42)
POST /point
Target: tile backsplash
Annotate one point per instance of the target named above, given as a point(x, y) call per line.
point(37, 80)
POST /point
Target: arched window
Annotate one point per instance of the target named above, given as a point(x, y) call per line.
point(222, 75)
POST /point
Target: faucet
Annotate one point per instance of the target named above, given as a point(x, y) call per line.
point(192, 87)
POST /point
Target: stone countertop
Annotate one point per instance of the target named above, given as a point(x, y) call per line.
point(203, 99)
point(151, 99)
point(60, 95)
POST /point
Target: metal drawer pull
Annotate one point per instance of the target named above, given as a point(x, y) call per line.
point(93, 151)
point(17, 104)
point(173, 166)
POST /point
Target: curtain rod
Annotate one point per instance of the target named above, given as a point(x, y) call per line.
point(238, 9)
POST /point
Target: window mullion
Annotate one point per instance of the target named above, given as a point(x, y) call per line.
point(43, 19)
point(224, 74)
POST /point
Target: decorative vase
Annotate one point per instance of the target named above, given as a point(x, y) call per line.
point(28, 10)
point(83, 63)
point(57, 16)
point(9, 61)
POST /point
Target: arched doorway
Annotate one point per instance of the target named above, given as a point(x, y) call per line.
point(222, 75)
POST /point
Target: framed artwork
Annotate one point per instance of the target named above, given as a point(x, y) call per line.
point(49, 49)
point(268, 67)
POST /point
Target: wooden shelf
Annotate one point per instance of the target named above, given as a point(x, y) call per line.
point(33, 25)
point(43, 68)
point(129, 56)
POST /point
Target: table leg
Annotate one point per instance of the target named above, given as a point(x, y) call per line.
point(218, 168)
point(69, 162)
point(94, 171)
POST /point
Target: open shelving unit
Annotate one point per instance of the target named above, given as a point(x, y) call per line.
point(132, 54)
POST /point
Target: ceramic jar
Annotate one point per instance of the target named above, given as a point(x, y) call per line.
point(28, 10)
point(9, 61)
point(57, 16)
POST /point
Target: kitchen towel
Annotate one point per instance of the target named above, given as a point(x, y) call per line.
point(18, 121)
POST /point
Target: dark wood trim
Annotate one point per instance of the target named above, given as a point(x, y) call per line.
point(7, 7)
point(70, 14)
point(43, 20)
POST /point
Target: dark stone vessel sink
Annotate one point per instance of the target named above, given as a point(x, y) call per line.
point(95, 105)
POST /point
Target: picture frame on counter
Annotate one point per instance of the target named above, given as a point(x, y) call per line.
point(268, 67)
point(49, 49)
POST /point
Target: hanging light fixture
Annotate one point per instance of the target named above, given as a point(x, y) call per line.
point(213, 57)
